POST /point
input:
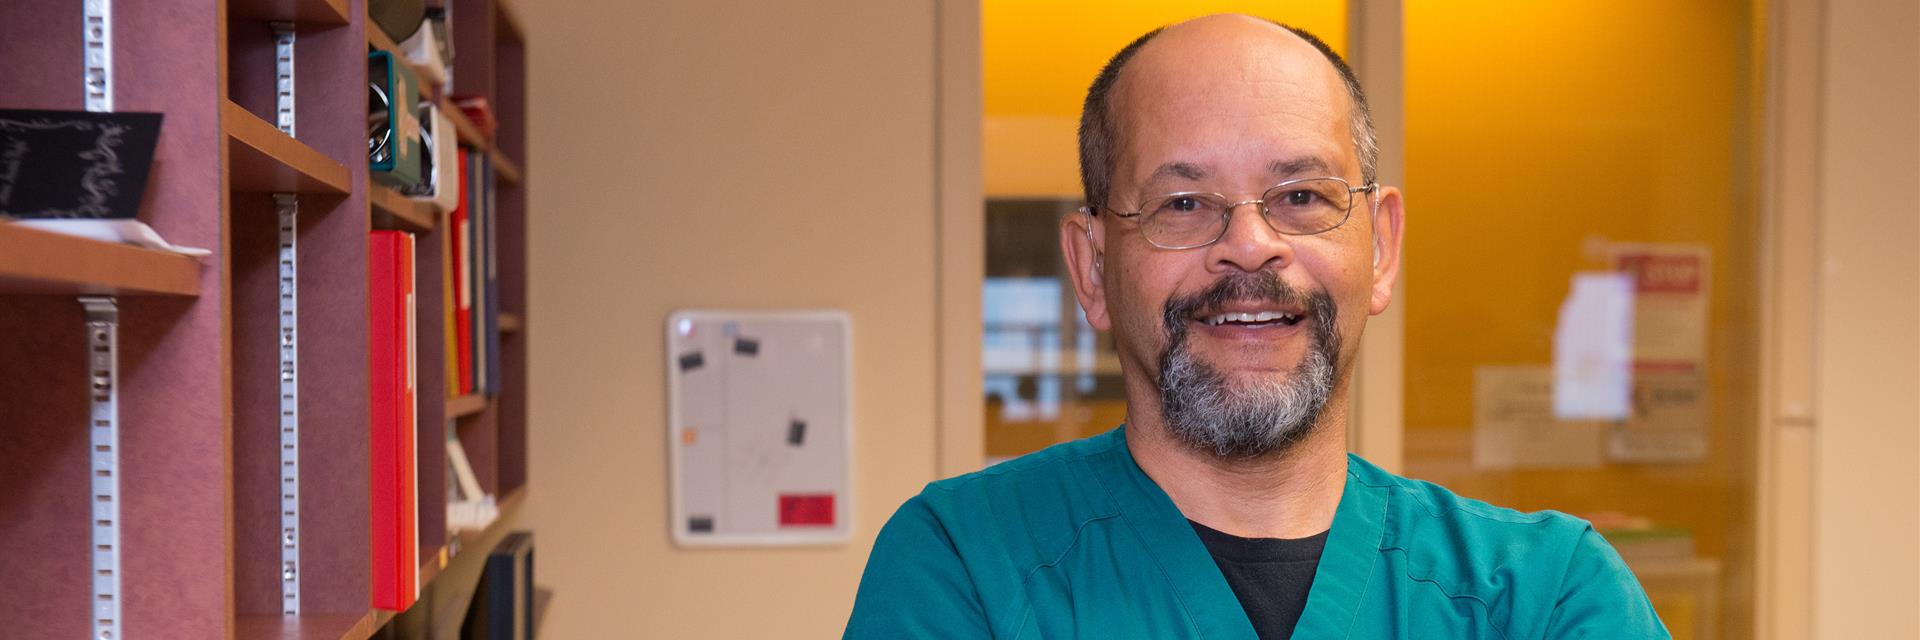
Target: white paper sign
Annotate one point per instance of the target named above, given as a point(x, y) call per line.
point(1593, 349)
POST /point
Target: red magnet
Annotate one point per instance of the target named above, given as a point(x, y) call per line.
point(806, 509)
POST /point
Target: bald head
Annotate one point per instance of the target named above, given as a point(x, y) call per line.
point(1192, 58)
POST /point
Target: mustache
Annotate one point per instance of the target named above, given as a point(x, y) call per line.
point(1256, 286)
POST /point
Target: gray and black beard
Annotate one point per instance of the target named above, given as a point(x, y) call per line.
point(1269, 415)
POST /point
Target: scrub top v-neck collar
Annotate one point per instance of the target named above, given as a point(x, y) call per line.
point(1353, 545)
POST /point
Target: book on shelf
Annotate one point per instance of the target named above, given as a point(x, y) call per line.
point(476, 222)
point(491, 277)
point(502, 606)
point(81, 173)
point(469, 507)
point(449, 304)
point(462, 266)
point(392, 345)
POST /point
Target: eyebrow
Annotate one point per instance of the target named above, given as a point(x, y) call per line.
point(1183, 170)
point(1280, 168)
point(1297, 166)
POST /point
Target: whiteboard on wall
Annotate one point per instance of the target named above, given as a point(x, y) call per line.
point(759, 427)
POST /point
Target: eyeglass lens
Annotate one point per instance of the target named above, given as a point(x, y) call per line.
point(1302, 207)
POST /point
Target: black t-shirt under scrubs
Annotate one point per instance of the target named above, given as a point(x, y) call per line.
point(1270, 576)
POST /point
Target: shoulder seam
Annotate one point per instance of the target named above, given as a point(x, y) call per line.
point(1537, 517)
point(1013, 466)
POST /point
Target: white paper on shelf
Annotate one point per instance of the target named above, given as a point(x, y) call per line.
point(472, 515)
point(466, 482)
point(133, 232)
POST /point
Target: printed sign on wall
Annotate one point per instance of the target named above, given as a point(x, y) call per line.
point(1672, 288)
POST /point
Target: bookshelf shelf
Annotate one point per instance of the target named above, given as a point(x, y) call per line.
point(469, 548)
point(307, 12)
point(317, 626)
point(508, 170)
point(392, 210)
point(459, 557)
point(41, 262)
point(264, 160)
point(470, 133)
point(377, 39)
point(466, 405)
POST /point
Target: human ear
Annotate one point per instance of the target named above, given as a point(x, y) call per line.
point(1388, 218)
point(1084, 249)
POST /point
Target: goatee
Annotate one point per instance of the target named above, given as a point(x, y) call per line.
point(1259, 417)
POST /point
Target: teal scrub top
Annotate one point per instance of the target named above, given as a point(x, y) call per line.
point(1075, 541)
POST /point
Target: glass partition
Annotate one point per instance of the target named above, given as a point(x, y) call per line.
point(1581, 282)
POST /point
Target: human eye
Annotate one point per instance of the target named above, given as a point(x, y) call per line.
point(1184, 205)
point(1307, 196)
point(1300, 198)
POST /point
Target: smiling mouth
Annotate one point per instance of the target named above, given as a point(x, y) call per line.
point(1253, 319)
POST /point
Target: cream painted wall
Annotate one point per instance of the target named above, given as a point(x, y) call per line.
point(722, 154)
point(1866, 431)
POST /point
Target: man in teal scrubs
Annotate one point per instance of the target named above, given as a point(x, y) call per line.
point(1234, 245)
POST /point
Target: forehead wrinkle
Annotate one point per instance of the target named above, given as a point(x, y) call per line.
point(1297, 166)
point(1183, 170)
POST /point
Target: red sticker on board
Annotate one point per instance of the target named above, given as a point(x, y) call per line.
point(806, 510)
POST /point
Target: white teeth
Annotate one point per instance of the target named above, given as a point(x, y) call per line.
point(1248, 318)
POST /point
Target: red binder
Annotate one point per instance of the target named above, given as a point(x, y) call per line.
point(462, 264)
point(392, 345)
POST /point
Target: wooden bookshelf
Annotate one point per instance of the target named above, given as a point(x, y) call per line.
point(318, 626)
point(264, 160)
point(470, 133)
point(465, 548)
point(378, 40)
point(312, 12)
point(461, 556)
point(508, 170)
point(393, 210)
point(41, 262)
point(466, 405)
point(198, 341)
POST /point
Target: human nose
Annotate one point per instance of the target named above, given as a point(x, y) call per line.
point(1249, 243)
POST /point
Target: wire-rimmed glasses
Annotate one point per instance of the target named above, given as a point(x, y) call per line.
point(1192, 219)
